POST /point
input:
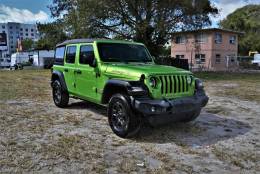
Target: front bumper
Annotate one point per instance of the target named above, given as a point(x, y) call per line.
point(171, 110)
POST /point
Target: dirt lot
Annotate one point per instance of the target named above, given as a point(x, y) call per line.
point(37, 137)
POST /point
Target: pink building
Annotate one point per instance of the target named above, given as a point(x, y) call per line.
point(207, 49)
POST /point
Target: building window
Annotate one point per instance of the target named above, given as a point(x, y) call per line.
point(32, 34)
point(200, 58)
point(26, 29)
point(3, 27)
point(3, 31)
point(21, 34)
point(218, 38)
point(21, 29)
point(218, 58)
point(11, 27)
point(26, 34)
point(32, 30)
point(201, 38)
point(179, 56)
point(180, 39)
point(232, 39)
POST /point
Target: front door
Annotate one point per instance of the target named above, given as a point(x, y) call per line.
point(85, 74)
point(69, 68)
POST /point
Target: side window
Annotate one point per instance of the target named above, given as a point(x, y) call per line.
point(71, 54)
point(86, 54)
point(59, 54)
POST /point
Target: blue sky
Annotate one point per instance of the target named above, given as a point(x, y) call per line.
point(31, 11)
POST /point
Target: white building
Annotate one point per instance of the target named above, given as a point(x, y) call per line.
point(15, 31)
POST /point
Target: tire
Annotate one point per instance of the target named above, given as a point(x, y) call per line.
point(60, 97)
point(191, 117)
point(122, 120)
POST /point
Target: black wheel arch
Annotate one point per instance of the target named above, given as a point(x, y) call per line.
point(114, 86)
point(57, 75)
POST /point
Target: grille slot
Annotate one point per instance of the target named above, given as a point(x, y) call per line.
point(174, 84)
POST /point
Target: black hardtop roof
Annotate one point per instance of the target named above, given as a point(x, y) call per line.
point(76, 41)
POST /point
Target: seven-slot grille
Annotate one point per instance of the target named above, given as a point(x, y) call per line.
point(174, 84)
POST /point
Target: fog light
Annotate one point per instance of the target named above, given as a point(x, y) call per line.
point(153, 109)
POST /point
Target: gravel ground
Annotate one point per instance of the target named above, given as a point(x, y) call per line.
point(37, 137)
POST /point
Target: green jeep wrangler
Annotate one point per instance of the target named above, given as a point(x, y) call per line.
point(123, 76)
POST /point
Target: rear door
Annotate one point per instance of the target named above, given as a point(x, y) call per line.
point(85, 74)
point(69, 67)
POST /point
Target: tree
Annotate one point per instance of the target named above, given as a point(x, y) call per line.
point(147, 21)
point(51, 34)
point(27, 44)
point(247, 20)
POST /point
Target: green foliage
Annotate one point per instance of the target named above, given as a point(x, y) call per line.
point(51, 34)
point(150, 22)
point(245, 19)
point(27, 44)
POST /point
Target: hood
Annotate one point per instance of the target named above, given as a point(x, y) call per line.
point(131, 70)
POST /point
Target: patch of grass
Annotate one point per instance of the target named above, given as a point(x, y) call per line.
point(240, 159)
point(244, 86)
point(229, 76)
point(24, 84)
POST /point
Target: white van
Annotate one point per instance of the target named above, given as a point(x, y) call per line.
point(256, 60)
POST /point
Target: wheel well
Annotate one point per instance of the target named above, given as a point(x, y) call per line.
point(110, 90)
point(54, 77)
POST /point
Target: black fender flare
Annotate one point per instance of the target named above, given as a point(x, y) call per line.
point(60, 75)
point(124, 86)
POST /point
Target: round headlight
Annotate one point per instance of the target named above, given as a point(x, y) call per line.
point(189, 80)
point(153, 82)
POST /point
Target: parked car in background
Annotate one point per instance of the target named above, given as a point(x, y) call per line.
point(37, 58)
point(18, 60)
point(256, 60)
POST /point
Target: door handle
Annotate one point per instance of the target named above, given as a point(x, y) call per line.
point(66, 70)
point(78, 71)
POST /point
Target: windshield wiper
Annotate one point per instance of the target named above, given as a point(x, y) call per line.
point(110, 59)
point(139, 60)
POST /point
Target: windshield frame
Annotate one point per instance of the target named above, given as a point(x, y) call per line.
point(149, 57)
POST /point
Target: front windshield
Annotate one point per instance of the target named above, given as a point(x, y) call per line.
point(118, 52)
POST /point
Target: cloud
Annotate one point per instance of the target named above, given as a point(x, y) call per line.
point(227, 7)
point(9, 14)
